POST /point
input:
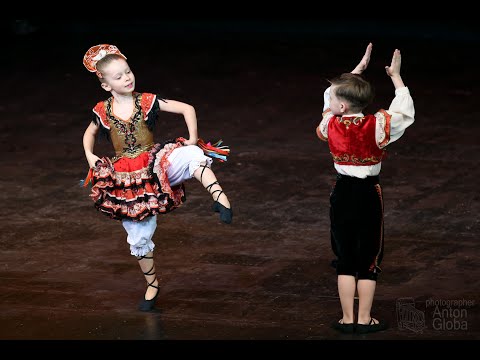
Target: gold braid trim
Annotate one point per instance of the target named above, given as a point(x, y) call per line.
point(132, 154)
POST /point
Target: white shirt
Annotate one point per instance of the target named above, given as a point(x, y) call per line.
point(402, 114)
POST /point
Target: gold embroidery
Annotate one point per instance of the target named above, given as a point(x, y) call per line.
point(354, 159)
point(129, 138)
point(131, 154)
point(349, 121)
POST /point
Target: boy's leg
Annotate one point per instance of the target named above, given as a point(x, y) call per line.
point(343, 246)
point(366, 292)
point(366, 323)
point(370, 250)
point(346, 291)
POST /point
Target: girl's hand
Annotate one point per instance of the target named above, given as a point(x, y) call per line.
point(92, 160)
point(190, 142)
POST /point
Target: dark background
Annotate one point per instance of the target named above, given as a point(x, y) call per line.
point(257, 83)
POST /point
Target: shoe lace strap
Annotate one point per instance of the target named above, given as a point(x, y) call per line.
point(221, 192)
point(209, 187)
point(152, 270)
point(154, 286)
point(201, 174)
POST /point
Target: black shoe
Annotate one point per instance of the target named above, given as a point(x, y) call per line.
point(149, 305)
point(344, 328)
point(226, 214)
point(371, 327)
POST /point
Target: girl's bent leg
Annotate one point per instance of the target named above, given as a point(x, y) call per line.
point(189, 161)
point(221, 203)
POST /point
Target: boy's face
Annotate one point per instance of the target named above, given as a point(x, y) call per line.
point(118, 77)
point(337, 106)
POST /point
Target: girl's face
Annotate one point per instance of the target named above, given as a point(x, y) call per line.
point(118, 77)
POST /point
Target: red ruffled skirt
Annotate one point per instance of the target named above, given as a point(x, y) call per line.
point(136, 188)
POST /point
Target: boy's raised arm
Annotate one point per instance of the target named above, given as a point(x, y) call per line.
point(363, 64)
point(394, 69)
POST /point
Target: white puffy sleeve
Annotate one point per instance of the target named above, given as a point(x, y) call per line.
point(391, 123)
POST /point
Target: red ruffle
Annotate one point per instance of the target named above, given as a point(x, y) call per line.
point(127, 188)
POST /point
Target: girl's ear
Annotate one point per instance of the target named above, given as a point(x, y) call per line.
point(106, 87)
point(343, 107)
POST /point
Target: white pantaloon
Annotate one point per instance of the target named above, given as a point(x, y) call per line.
point(183, 161)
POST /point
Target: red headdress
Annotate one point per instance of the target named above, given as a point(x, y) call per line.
point(97, 53)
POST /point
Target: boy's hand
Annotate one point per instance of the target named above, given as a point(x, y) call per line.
point(394, 68)
point(363, 64)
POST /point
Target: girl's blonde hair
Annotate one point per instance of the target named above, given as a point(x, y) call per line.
point(103, 63)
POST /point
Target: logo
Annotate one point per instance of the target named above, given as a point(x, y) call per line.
point(409, 317)
point(439, 314)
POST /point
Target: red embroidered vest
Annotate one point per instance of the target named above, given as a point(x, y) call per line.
point(352, 140)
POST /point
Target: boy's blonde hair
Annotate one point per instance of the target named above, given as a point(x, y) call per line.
point(354, 89)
